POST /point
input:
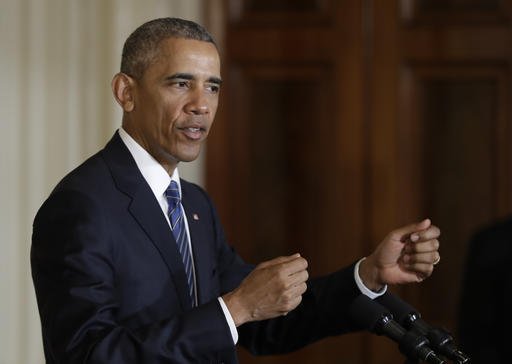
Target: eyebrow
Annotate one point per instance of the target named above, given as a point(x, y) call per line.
point(189, 76)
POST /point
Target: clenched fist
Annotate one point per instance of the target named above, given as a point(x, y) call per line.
point(406, 255)
point(272, 289)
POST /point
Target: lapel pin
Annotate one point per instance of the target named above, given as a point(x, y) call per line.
point(195, 217)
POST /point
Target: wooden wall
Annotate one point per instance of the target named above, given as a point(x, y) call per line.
point(341, 120)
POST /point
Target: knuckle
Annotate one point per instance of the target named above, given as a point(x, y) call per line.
point(287, 297)
point(306, 275)
point(429, 270)
point(290, 305)
point(303, 288)
point(297, 302)
point(280, 276)
point(285, 306)
point(281, 286)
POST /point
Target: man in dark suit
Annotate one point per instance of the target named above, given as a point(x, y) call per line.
point(486, 299)
point(130, 263)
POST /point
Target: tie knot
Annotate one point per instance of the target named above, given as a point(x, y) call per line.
point(173, 192)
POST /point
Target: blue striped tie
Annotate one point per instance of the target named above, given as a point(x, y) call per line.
point(175, 214)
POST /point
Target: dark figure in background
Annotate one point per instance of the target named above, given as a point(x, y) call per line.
point(130, 263)
point(485, 322)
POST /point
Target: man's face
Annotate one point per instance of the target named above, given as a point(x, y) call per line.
point(175, 101)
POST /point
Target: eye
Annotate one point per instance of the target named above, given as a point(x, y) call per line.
point(182, 84)
point(213, 88)
point(179, 83)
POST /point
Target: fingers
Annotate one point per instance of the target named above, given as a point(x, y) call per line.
point(274, 288)
point(421, 270)
point(298, 278)
point(407, 254)
point(421, 247)
point(278, 260)
point(289, 274)
point(423, 252)
point(292, 298)
point(290, 295)
point(403, 233)
point(290, 305)
point(428, 258)
point(421, 264)
point(294, 266)
point(432, 232)
point(286, 266)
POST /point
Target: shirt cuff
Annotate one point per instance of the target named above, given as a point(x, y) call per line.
point(229, 319)
point(365, 290)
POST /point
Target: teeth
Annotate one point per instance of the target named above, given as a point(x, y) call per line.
point(194, 129)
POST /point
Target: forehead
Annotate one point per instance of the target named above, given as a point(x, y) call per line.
point(186, 55)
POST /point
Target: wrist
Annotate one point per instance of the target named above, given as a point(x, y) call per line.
point(235, 308)
point(369, 274)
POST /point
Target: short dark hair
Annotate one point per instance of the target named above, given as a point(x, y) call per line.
point(141, 47)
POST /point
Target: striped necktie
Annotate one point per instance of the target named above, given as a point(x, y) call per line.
point(177, 221)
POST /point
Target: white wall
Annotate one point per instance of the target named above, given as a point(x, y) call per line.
point(57, 58)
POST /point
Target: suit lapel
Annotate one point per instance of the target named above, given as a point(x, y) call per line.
point(146, 211)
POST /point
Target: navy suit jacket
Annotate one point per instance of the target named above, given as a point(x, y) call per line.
point(111, 286)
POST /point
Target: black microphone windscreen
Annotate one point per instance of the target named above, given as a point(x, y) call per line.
point(400, 309)
point(367, 314)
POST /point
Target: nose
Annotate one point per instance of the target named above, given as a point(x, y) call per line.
point(197, 104)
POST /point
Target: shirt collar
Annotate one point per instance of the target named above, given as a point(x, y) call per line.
point(152, 171)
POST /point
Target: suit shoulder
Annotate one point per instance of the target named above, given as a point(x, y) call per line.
point(85, 176)
point(87, 182)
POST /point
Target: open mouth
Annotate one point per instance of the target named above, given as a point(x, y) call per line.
point(194, 130)
point(193, 133)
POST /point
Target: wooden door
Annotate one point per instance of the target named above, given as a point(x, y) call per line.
point(341, 120)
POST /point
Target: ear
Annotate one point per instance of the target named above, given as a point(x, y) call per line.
point(123, 89)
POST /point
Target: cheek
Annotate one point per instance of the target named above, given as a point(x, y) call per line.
point(164, 118)
point(213, 109)
point(214, 103)
point(172, 110)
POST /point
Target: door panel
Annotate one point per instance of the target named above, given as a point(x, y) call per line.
point(341, 120)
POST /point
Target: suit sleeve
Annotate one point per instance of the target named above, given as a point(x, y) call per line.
point(73, 269)
point(323, 312)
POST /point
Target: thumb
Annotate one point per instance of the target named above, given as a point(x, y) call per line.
point(406, 231)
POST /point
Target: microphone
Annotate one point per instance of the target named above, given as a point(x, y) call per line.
point(408, 317)
point(373, 317)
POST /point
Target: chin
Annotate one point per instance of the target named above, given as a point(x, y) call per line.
point(183, 153)
point(188, 157)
